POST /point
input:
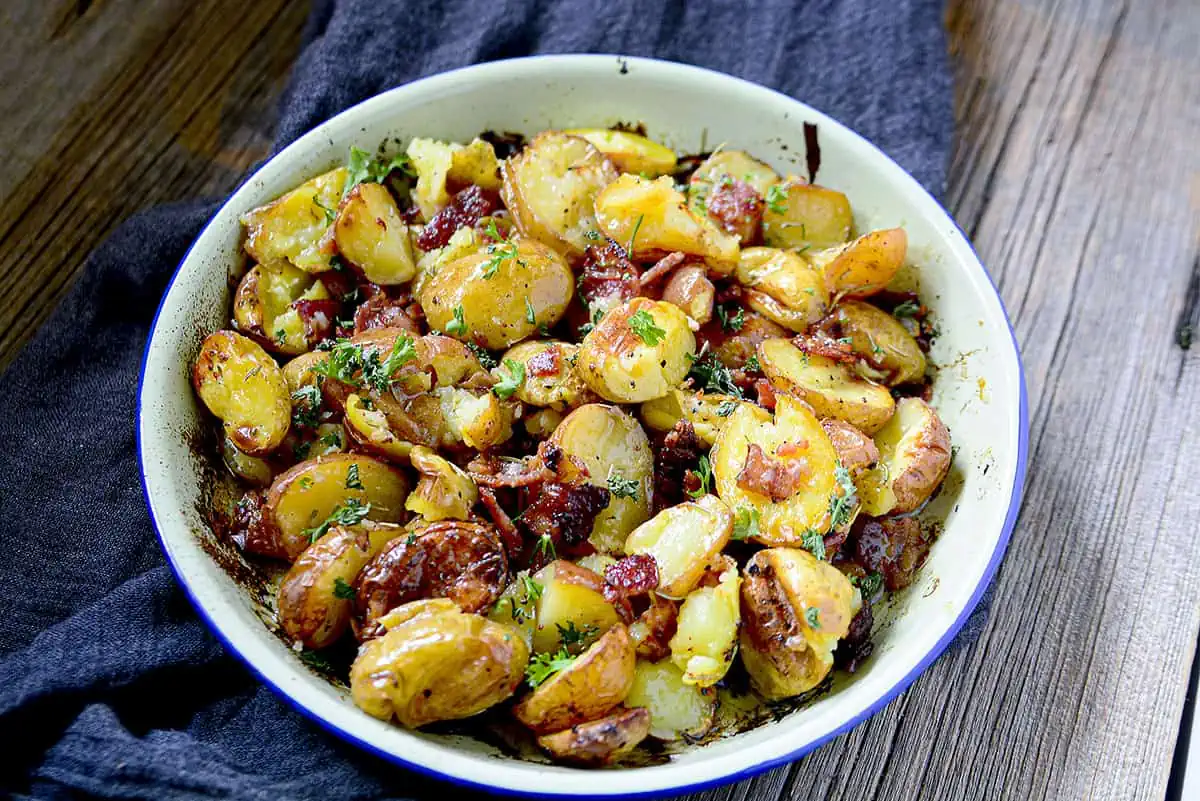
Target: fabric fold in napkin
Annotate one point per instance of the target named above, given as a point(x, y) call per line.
point(110, 686)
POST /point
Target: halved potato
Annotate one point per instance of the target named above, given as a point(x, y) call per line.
point(571, 596)
point(517, 605)
point(266, 308)
point(638, 351)
point(296, 227)
point(298, 372)
point(831, 388)
point(303, 498)
point(540, 423)
point(550, 189)
point(795, 608)
point(677, 710)
point(653, 217)
point(587, 689)
point(250, 469)
point(245, 388)
point(856, 451)
point(436, 662)
point(371, 234)
point(315, 596)
point(684, 540)
point(914, 457)
point(798, 434)
point(437, 163)
point(690, 290)
point(864, 266)
point(369, 428)
point(734, 163)
point(803, 215)
point(630, 152)
point(610, 442)
point(444, 490)
point(706, 638)
point(881, 341)
point(783, 287)
point(600, 742)
point(707, 412)
point(477, 419)
point(550, 375)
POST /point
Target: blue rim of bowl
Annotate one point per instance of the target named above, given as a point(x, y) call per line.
point(883, 700)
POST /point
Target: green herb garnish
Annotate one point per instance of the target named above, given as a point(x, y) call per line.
point(622, 487)
point(813, 616)
point(703, 471)
point(709, 374)
point(530, 316)
point(814, 543)
point(342, 590)
point(487, 360)
point(457, 326)
point(543, 666)
point(512, 375)
point(731, 322)
point(726, 408)
point(306, 406)
point(362, 168)
point(352, 479)
point(777, 198)
point(571, 637)
point(636, 227)
point(350, 513)
point(642, 324)
point(745, 523)
point(499, 252)
point(842, 504)
point(909, 308)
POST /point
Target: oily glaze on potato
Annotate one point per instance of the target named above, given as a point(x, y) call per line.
point(801, 215)
point(677, 710)
point(736, 164)
point(609, 442)
point(705, 640)
point(314, 602)
point(301, 499)
point(493, 290)
point(550, 189)
point(373, 237)
point(856, 451)
point(599, 742)
point(250, 469)
point(550, 375)
point(684, 540)
point(297, 226)
point(783, 287)
point(707, 412)
point(570, 596)
point(242, 385)
point(267, 307)
point(690, 290)
point(638, 351)
point(630, 152)
point(436, 662)
point(914, 457)
point(369, 429)
point(881, 341)
point(794, 610)
point(589, 688)
point(830, 387)
point(444, 491)
point(864, 266)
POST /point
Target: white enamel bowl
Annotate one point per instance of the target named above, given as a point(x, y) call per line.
point(979, 392)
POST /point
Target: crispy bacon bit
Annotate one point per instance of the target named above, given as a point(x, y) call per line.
point(660, 269)
point(856, 645)
point(496, 471)
point(654, 628)
point(510, 536)
point(633, 575)
point(253, 529)
point(607, 275)
point(546, 363)
point(679, 451)
point(342, 285)
point(318, 317)
point(776, 479)
point(792, 450)
point(856, 451)
point(736, 207)
point(466, 208)
point(895, 547)
point(766, 393)
point(564, 513)
point(821, 344)
point(380, 311)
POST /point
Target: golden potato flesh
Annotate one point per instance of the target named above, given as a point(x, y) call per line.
point(830, 387)
point(639, 351)
point(864, 266)
point(914, 457)
point(600, 742)
point(444, 490)
point(550, 189)
point(658, 214)
point(371, 234)
point(706, 638)
point(795, 435)
point(570, 596)
point(736, 164)
point(550, 375)
point(783, 287)
point(794, 608)
point(707, 412)
point(244, 387)
point(801, 215)
point(492, 291)
point(301, 500)
point(595, 682)
point(684, 540)
point(370, 430)
point(432, 161)
point(610, 442)
point(316, 594)
point(881, 341)
point(296, 227)
point(248, 468)
point(677, 710)
point(630, 152)
point(298, 372)
point(262, 307)
point(436, 662)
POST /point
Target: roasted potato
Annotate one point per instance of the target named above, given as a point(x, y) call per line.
point(550, 375)
point(914, 457)
point(707, 412)
point(677, 710)
point(454, 559)
point(244, 387)
point(864, 266)
point(610, 442)
point(856, 451)
point(653, 629)
point(369, 428)
point(315, 597)
point(298, 372)
point(595, 682)
point(477, 419)
point(734, 349)
point(881, 341)
point(249, 468)
point(794, 610)
point(444, 490)
point(500, 294)
point(802, 215)
point(690, 290)
point(684, 540)
point(371, 234)
point(894, 547)
point(570, 596)
point(783, 287)
point(541, 423)
point(653, 218)
point(630, 152)
point(600, 742)
point(436, 662)
point(830, 387)
point(794, 436)
point(340, 486)
point(436, 163)
point(517, 605)
point(734, 163)
point(640, 350)
point(296, 227)
point(705, 640)
point(550, 189)
point(276, 304)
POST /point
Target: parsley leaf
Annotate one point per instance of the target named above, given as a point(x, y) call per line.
point(745, 523)
point(350, 513)
point(352, 479)
point(457, 326)
point(622, 487)
point(487, 360)
point(813, 616)
point(570, 636)
point(710, 375)
point(533, 588)
point(512, 375)
point(909, 308)
point(307, 406)
point(814, 543)
point(363, 169)
point(342, 590)
point(636, 227)
point(777, 198)
point(642, 324)
point(530, 316)
point(543, 666)
point(726, 408)
point(869, 585)
point(752, 365)
point(731, 322)
point(704, 472)
point(842, 503)
point(499, 252)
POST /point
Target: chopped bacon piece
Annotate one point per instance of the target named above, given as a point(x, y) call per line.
point(253, 529)
point(318, 317)
point(766, 393)
point(607, 274)
point(496, 471)
point(341, 283)
point(654, 628)
point(380, 311)
point(777, 479)
point(633, 575)
point(510, 536)
point(547, 362)
point(466, 208)
point(893, 546)
point(679, 451)
point(564, 513)
point(660, 269)
point(736, 207)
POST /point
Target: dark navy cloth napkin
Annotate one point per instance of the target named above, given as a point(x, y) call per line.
point(110, 686)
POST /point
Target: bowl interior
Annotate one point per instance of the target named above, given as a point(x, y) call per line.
point(978, 390)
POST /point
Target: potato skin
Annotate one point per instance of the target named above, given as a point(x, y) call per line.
point(881, 341)
point(296, 226)
point(914, 457)
point(264, 308)
point(242, 385)
point(856, 451)
point(630, 152)
point(571, 594)
point(783, 287)
point(684, 540)
point(810, 216)
point(620, 366)
point(593, 684)
point(864, 266)
point(600, 742)
point(436, 662)
point(371, 234)
point(551, 379)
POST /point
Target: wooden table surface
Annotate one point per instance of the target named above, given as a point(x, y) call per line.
point(1077, 175)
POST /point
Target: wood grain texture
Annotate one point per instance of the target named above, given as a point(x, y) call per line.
point(1077, 175)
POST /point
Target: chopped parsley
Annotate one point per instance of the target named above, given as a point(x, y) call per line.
point(642, 324)
point(352, 364)
point(352, 479)
point(411, 539)
point(710, 375)
point(342, 590)
point(571, 637)
point(530, 315)
point(457, 326)
point(487, 360)
point(512, 375)
point(909, 308)
point(350, 513)
point(499, 252)
point(636, 227)
point(745, 523)
point(543, 666)
point(752, 365)
point(777, 198)
point(814, 543)
point(305, 482)
point(843, 503)
point(812, 616)
point(545, 547)
point(868, 585)
point(533, 588)
point(726, 408)
point(306, 406)
point(703, 471)
point(332, 439)
point(330, 214)
point(597, 316)
point(622, 487)
point(731, 322)
point(280, 336)
point(363, 169)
